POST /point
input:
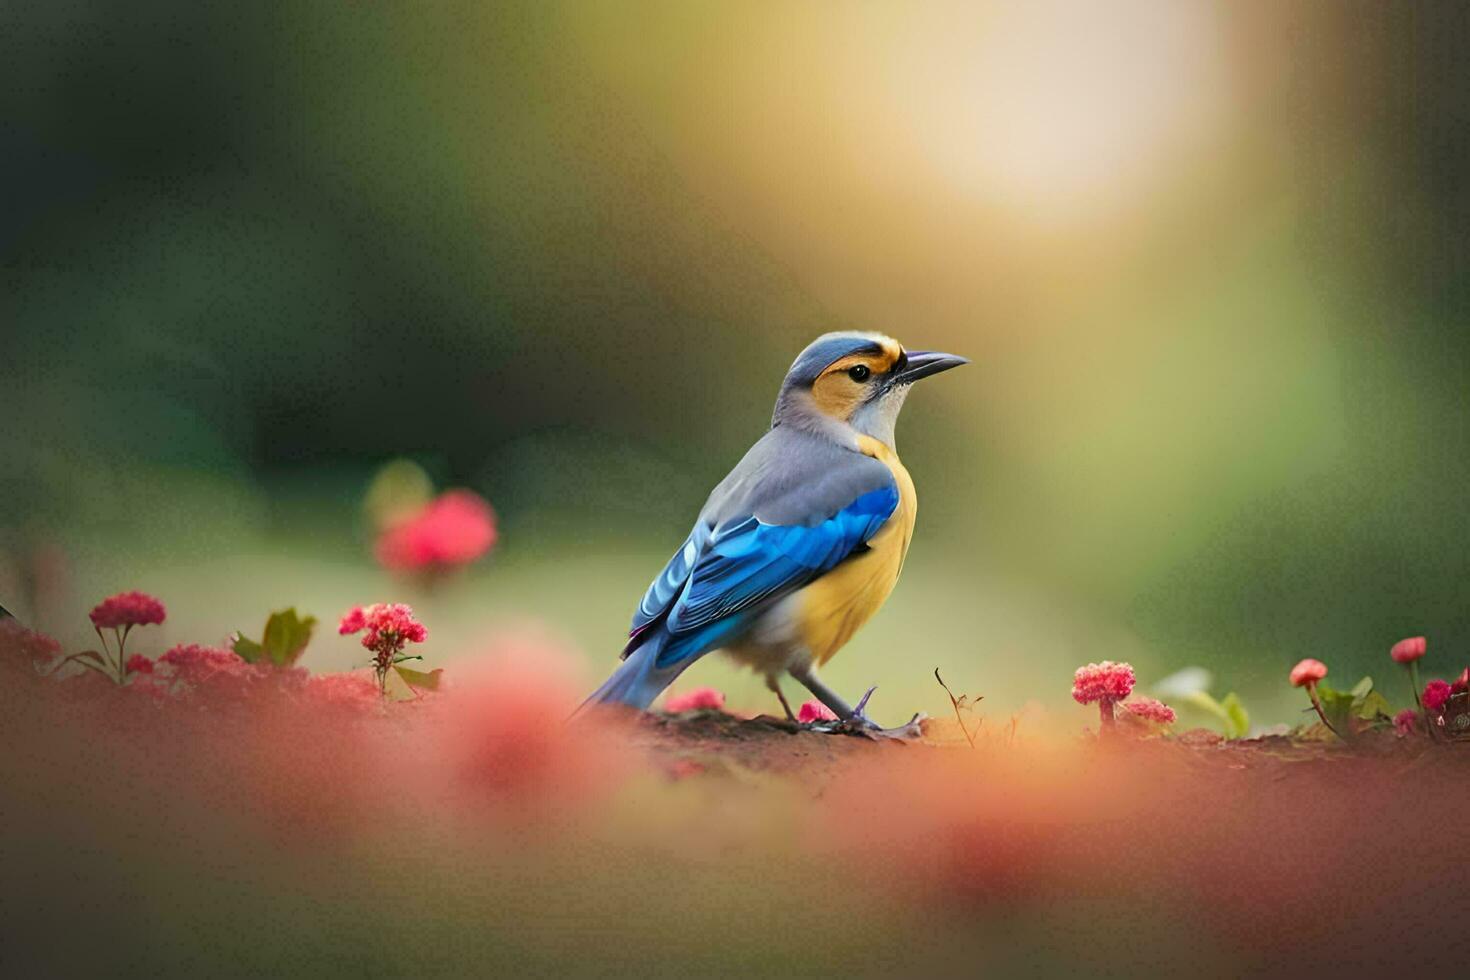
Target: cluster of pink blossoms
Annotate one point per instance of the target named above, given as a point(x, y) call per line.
point(1437, 695)
point(390, 627)
point(1151, 710)
point(1107, 681)
point(120, 613)
point(701, 698)
point(453, 530)
point(126, 610)
point(1433, 699)
point(1107, 684)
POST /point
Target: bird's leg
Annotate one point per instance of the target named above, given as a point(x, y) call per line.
point(808, 679)
point(854, 719)
point(774, 683)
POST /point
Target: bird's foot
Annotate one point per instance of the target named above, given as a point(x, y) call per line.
point(858, 723)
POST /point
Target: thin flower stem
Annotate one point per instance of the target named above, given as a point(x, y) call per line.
point(1312, 693)
point(1414, 680)
point(106, 650)
point(957, 716)
point(122, 660)
point(1105, 716)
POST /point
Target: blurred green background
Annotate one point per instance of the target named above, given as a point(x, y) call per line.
point(1209, 261)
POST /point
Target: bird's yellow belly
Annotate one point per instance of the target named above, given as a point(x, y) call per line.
point(835, 606)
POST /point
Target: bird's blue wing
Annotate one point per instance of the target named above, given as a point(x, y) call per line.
point(727, 572)
point(670, 582)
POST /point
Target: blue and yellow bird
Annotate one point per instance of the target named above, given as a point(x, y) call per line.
point(801, 544)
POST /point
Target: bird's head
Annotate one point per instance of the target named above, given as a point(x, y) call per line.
point(854, 380)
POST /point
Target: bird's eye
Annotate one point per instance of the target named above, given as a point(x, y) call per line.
point(859, 373)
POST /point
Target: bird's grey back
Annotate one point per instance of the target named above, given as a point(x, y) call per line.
point(794, 477)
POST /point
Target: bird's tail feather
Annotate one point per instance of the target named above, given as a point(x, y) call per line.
point(638, 679)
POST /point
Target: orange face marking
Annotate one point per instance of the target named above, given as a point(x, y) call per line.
point(837, 394)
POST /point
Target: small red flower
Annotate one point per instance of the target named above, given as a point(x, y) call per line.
point(1461, 684)
point(389, 623)
point(1436, 694)
point(700, 697)
point(814, 710)
point(1406, 721)
point(139, 664)
point(1407, 651)
point(1151, 710)
point(1308, 672)
point(453, 530)
point(127, 609)
point(390, 626)
point(1106, 681)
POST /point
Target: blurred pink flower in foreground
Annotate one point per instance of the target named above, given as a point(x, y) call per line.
point(342, 690)
point(1151, 710)
point(1407, 651)
point(1406, 721)
point(814, 710)
point(126, 610)
point(196, 664)
point(1436, 695)
point(139, 664)
point(700, 697)
point(18, 644)
point(390, 626)
point(453, 530)
point(1104, 684)
point(1308, 672)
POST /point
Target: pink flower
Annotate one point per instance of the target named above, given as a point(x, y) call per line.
point(1407, 651)
point(453, 530)
point(1308, 672)
point(814, 710)
point(19, 642)
point(1406, 721)
point(390, 626)
point(127, 609)
point(139, 664)
point(700, 697)
point(1152, 710)
point(1436, 694)
point(387, 623)
point(1106, 681)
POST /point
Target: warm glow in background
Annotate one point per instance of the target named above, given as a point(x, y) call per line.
point(1208, 260)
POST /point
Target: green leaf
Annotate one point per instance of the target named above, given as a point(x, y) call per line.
point(286, 636)
point(1372, 707)
point(247, 650)
point(420, 679)
point(284, 640)
point(1207, 704)
point(1337, 707)
point(1362, 689)
point(1239, 720)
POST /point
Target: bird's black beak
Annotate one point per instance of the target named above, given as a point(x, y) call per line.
point(922, 363)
